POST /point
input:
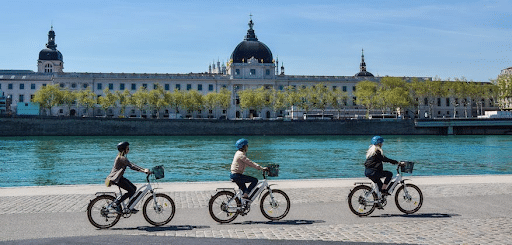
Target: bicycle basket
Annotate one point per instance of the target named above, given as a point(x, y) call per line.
point(158, 171)
point(273, 170)
point(407, 167)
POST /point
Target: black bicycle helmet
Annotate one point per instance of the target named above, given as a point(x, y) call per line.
point(122, 146)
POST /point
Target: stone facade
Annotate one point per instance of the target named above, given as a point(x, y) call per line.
point(239, 74)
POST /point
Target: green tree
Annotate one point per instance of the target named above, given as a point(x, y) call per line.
point(293, 99)
point(366, 92)
point(48, 97)
point(457, 91)
point(124, 99)
point(277, 100)
point(193, 101)
point(156, 99)
point(322, 97)
point(308, 98)
point(107, 101)
point(394, 94)
point(87, 98)
point(211, 101)
point(434, 89)
point(140, 99)
point(338, 100)
point(503, 87)
point(224, 99)
point(68, 98)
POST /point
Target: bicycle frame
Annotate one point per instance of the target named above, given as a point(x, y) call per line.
point(395, 181)
point(255, 192)
point(136, 198)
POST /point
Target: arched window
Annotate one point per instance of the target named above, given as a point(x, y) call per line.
point(48, 68)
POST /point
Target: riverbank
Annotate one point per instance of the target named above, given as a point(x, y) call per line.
point(447, 180)
point(69, 126)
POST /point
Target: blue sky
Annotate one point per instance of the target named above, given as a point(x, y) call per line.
point(448, 39)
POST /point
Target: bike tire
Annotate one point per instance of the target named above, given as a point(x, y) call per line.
point(161, 212)
point(358, 200)
point(217, 206)
point(269, 208)
point(98, 214)
point(410, 203)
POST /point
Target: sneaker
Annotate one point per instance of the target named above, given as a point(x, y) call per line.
point(118, 208)
point(379, 206)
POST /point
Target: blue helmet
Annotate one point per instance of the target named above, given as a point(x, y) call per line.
point(241, 143)
point(377, 140)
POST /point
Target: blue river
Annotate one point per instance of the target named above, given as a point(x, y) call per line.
point(39, 161)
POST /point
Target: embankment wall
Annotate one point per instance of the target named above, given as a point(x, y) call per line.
point(55, 126)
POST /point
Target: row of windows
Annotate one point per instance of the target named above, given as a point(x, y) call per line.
point(167, 87)
point(252, 72)
point(10, 86)
point(133, 86)
point(456, 101)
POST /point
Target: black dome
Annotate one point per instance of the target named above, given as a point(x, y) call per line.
point(50, 54)
point(250, 48)
point(364, 74)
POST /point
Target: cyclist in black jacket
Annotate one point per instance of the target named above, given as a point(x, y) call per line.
point(373, 165)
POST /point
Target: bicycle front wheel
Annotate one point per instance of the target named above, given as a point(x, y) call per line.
point(276, 205)
point(408, 198)
point(362, 200)
point(160, 210)
point(223, 207)
point(100, 212)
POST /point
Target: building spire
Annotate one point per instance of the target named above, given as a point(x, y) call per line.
point(51, 39)
point(362, 66)
point(250, 33)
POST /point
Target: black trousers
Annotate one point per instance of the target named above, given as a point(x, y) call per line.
point(125, 184)
point(376, 175)
point(241, 179)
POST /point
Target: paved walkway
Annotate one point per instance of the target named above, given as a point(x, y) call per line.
point(426, 228)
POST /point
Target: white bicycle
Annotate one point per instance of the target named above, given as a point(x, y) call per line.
point(228, 203)
point(158, 209)
point(365, 197)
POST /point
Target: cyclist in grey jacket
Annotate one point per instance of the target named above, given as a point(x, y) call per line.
point(373, 165)
point(116, 175)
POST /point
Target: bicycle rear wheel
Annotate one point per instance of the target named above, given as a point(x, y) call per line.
point(275, 207)
point(159, 211)
point(100, 212)
point(362, 201)
point(223, 207)
point(408, 198)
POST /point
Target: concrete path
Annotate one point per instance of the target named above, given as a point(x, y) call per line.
point(456, 210)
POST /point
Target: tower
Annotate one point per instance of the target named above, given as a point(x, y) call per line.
point(50, 59)
point(362, 67)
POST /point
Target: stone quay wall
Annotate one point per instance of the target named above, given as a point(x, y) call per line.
point(65, 126)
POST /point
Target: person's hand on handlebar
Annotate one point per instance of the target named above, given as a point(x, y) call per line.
point(265, 169)
point(401, 163)
point(147, 171)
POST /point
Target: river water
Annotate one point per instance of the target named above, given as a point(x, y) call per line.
point(36, 161)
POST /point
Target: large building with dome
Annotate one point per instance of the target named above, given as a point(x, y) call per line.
point(251, 66)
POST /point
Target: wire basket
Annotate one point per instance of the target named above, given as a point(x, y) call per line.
point(158, 171)
point(407, 167)
point(273, 170)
